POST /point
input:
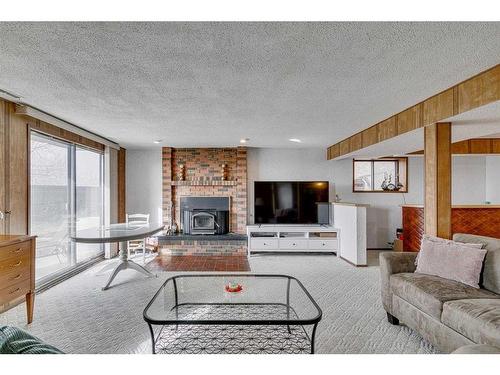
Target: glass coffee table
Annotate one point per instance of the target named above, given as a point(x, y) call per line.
point(232, 313)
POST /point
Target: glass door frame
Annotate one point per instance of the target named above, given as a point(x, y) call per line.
point(72, 199)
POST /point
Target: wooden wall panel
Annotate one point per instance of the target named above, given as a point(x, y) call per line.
point(482, 221)
point(413, 228)
point(369, 136)
point(356, 142)
point(479, 146)
point(344, 147)
point(409, 120)
point(479, 90)
point(3, 153)
point(387, 129)
point(439, 107)
point(495, 146)
point(18, 173)
point(460, 147)
point(121, 185)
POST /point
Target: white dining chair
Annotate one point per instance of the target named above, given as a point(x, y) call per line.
point(136, 245)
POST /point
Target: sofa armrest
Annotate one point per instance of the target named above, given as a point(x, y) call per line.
point(390, 264)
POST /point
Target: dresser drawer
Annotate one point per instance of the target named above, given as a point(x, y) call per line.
point(299, 244)
point(264, 243)
point(18, 263)
point(14, 276)
point(323, 245)
point(15, 251)
point(14, 291)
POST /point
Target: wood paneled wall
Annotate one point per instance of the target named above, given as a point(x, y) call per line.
point(14, 174)
point(121, 185)
point(475, 92)
point(14, 163)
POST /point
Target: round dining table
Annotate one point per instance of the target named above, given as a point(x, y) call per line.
point(119, 233)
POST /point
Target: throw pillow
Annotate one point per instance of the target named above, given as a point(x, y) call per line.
point(451, 260)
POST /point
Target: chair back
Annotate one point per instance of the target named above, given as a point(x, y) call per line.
point(137, 218)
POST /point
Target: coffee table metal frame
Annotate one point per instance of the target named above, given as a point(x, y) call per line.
point(285, 322)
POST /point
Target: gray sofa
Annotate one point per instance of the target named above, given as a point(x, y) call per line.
point(447, 313)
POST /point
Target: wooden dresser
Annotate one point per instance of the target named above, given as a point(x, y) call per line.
point(17, 271)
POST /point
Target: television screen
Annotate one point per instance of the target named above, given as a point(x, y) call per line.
point(288, 202)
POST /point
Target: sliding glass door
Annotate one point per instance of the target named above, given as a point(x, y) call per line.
point(50, 204)
point(89, 198)
point(66, 195)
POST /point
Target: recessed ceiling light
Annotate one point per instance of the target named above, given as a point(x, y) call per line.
point(158, 141)
point(244, 140)
point(296, 140)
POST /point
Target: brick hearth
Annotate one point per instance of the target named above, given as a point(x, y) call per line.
point(203, 176)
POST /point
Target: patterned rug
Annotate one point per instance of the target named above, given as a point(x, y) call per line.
point(78, 317)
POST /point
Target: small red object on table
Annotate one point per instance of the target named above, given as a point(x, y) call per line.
point(233, 288)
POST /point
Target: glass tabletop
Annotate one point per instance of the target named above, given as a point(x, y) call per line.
point(232, 299)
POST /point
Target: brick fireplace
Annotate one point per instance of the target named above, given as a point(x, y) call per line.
point(200, 172)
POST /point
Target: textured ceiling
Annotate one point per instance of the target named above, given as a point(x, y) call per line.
point(210, 84)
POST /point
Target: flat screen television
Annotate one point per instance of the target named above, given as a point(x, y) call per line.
point(288, 202)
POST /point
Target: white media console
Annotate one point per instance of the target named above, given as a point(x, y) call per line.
point(292, 238)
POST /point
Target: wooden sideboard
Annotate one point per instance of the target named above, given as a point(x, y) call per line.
point(17, 271)
point(482, 220)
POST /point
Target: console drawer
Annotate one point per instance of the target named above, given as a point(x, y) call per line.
point(15, 251)
point(298, 244)
point(323, 245)
point(264, 243)
point(18, 263)
point(14, 291)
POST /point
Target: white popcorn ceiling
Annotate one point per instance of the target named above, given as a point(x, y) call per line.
point(211, 84)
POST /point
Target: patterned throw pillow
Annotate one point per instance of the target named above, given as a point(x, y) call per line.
point(16, 341)
point(451, 260)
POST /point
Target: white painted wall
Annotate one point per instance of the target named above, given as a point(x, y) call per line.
point(144, 182)
point(493, 179)
point(468, 179)
point(475, 179)
point(384, 214)
point(272, 164)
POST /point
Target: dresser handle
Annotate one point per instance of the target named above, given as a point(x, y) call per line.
point(17, 264)
point(13, 291)
point(17, 277)
point(16, 251)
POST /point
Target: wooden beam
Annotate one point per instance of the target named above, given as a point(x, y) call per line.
point(483, 146)
point(475, 92)
point(121, 185)
point(437, 155)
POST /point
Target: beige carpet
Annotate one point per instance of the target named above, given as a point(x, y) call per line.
point(78, 317)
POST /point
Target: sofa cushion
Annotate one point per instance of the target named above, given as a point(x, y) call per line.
point(451, 260)
point(16, 341)
point(477, 319)
point(428, 293)
point(491, 269)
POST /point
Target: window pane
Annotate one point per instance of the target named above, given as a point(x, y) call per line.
point(89, 199)
point(384, 172)
point(50, 204)
point(362, 175)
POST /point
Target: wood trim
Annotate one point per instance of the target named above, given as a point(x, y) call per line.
point(121, 185)
point(54, 131)
point(437, 185)
point(387, 129)
point(369, 136)
point(400, 159)
point(484, 146)
point(438, 107)
point(482, 89)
